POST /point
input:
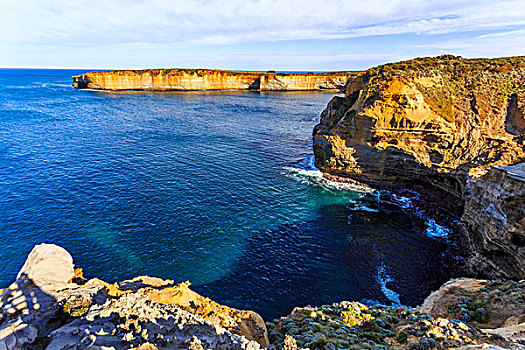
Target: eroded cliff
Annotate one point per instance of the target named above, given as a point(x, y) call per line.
point(437, 125)
point(206, 79)
point(495, 218)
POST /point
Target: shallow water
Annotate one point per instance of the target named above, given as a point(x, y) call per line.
point(212, 187)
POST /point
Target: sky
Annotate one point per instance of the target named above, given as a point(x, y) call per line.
point(286, 35)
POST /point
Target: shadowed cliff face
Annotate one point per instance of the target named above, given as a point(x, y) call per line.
point(205, 79)
point(436, 124)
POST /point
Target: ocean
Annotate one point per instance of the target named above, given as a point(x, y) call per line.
point(217, 188)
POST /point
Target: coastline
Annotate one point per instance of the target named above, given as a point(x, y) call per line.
point(484, 195)
point(51, 305)
point(448, 128)
point(210, 80)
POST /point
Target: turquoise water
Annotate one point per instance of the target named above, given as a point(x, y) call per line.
point(212, 187)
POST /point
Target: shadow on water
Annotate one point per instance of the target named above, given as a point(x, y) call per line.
point(343, 254)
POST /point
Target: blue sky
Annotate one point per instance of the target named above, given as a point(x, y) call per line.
point(253, 35)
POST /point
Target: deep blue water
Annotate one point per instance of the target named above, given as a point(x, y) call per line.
point(211, 187)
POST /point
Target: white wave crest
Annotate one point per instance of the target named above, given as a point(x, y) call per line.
point(363, 207)
point(383, 278)
point(434, 229)
point(316, 177)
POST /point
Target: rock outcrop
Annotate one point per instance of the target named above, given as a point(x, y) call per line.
point(205, 79)
point(438, 125)
point(462, 314)
point(51, 306)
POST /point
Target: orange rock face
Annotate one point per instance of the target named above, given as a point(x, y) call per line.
point(242, 322)
point(51, 305)
point(203, 79)
point(437, 123)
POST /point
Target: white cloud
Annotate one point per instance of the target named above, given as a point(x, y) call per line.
point(95, 22)
point(252, 34)
point(501, 44)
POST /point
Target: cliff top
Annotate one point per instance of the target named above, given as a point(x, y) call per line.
point(450, 64)
point(201, 71)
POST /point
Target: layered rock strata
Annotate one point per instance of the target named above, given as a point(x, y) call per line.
point(495, 218)
point(51, 306)
point(440, 125)
point(204, 79)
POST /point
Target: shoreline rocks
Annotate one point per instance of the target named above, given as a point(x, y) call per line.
point(51, 306)
point(462, 314)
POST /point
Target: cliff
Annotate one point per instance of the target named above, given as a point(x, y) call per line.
point(495, 217)
point(439, 125)
point(205, 79)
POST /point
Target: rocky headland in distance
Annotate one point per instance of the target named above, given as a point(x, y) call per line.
point(210, 80)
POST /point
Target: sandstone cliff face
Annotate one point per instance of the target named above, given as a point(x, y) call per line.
point(495, 210)
point(436, 124)
point(51, 306)
point(203, 79)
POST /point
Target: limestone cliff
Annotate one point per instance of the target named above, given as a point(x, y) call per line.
point(205, 79)
point(495, 216)
point(438, 125)
point(51, 306)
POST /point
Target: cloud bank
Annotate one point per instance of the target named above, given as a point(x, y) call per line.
point(173, 26)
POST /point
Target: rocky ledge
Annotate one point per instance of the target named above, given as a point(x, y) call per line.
point(52, 306)
point(462, 314)
point(451, 128)
point(209, 79)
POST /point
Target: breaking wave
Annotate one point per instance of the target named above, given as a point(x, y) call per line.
point(383, 278)
point(306, 172)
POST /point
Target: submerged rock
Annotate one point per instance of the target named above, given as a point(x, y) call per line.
point(50, 306)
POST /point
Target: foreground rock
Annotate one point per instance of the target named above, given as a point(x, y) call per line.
point(439, 125)
point(51, 306)
point(208, 79)
point(463, 314)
